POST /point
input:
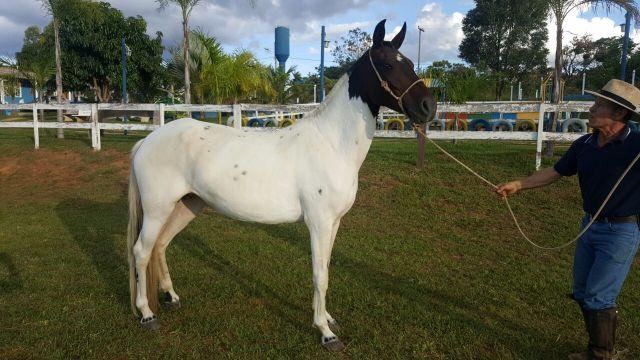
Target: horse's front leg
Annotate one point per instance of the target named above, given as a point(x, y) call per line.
point(321, 231)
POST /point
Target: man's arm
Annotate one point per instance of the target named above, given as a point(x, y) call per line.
point(541, 178)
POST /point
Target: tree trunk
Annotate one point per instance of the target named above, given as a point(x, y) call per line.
point(56, 31)
point(557, 86)
point(187, 80)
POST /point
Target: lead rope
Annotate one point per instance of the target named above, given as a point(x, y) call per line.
point(593, 218)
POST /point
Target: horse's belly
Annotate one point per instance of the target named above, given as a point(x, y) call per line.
point(276, 208)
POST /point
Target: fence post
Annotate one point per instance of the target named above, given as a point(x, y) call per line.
point(36, 131)
point(540, 136)
point(161, 112)
point(237, 116)
point(95, 128)
point(421, 146)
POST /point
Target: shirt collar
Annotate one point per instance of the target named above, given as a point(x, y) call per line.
point(622, 136)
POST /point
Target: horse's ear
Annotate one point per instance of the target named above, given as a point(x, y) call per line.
point(378, 34)
point(399, 38)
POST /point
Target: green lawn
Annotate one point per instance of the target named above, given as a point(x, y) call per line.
point(427, 264)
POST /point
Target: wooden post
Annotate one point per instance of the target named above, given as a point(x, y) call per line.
point(421, 147)
point(161, 112)
point(237, 116)
point(95, 128)
point(36, 132)
point(540, 137)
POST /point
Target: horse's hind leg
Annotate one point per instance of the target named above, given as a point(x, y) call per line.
point(185, 210)
point(152, 225)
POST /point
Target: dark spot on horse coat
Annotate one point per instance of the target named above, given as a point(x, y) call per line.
point(244, 172)
point(201, 138)
point(356, 141)
point(235, 178)
point(235, 166)
point(281, 137)
point(320, 191)
point(207, 127)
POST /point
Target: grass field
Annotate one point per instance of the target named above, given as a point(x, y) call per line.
point(427, 264)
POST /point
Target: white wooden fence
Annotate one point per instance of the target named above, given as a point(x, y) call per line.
point(94, 126)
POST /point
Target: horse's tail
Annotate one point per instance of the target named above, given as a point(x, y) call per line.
point(133, 232)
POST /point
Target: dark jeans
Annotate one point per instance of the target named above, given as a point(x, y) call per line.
point(603, 257)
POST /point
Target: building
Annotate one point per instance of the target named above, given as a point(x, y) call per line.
point(14, 88)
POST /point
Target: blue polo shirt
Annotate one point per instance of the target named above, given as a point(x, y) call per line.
point(599, 169)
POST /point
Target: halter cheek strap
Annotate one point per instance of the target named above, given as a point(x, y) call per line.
point(386, 87)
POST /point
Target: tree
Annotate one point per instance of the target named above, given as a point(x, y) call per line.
point(349, 48)
point(241, 76)
point(91, 34)
point(507, 37)
point(35, 61)
point(56, 8)
point(205, 54)
point(559, 9)
point(280, 81)
point(186, 6)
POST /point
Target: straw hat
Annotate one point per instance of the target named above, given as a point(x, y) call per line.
point(621, 93)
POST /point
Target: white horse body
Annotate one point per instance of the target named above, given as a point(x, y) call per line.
point(261, 176)
point(308, 171)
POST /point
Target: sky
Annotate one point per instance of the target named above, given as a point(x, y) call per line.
point(238, 25)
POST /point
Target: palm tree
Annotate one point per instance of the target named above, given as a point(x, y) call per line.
point(38, 72)
point(186, 6)
point(55, 8)
point(280, 80)
point(559, 9)
point(240, 76)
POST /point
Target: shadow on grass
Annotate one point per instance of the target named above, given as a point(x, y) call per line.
point(99, 229)
point(276, 302)
point(460, 313)
point(12, 281)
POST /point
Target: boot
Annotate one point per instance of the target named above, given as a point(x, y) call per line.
point(602, 333)
point(585, 354)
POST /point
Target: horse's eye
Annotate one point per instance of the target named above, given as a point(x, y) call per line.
point(386, 67)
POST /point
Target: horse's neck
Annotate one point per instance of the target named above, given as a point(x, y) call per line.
point(347, 123)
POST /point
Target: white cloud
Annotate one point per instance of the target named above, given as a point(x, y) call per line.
point(441, 37)
point(576, 24)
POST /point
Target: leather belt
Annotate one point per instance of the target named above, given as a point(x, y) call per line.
point(618, 219)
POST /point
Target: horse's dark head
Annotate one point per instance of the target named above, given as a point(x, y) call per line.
point(385, 77)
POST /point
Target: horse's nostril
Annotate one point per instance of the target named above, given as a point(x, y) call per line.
point(425, 106)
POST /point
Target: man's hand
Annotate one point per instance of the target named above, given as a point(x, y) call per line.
point(509, 188)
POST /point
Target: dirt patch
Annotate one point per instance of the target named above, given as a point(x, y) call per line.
point(42, 175)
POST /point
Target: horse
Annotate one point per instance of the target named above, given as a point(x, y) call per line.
point(311, 170)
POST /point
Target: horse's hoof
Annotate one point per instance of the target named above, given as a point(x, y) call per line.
point(171, 305)
point(150, 323)
point(334, 326)
point(332, 344)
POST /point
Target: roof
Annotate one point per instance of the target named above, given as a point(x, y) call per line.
point(10, 72)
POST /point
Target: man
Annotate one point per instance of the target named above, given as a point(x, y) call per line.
point(606, 251)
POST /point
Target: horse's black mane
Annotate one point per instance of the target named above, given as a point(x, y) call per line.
point(359, 81)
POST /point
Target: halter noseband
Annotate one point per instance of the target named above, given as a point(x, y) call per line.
point(385, 85)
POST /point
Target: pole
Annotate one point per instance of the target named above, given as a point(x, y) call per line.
point(124, 77)
point(625, 47)
point(420, 30)
point(322, 36)
point(633, 77)
point(315, 99)
point(519, 91)
point(584, 80)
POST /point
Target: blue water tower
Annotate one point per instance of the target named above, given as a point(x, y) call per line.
point(282, 45)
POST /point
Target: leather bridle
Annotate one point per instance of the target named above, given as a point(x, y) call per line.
point(385, 85)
